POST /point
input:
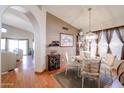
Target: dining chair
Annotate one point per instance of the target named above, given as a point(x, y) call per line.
point(120, 72)
point(119, 80)
point(108, 63)
point(92, 70)
point(70, 64)
point(120, 68)
point(85, 54)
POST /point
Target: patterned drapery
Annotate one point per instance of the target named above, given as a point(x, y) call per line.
point(97, 42)
point(108, 34)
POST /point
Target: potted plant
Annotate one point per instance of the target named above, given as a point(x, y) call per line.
point(29, 51)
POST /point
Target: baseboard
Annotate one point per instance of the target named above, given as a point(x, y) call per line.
point(40, 72)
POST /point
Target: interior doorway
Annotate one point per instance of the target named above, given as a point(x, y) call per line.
point(17, 39)
point(37, 17)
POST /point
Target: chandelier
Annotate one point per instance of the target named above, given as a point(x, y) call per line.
point(90, 35)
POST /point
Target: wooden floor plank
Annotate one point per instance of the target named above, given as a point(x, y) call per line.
point(24, 77)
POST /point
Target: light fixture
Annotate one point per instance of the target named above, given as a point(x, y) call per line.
point(3, 30)
point(90, 35)
point(81, 32)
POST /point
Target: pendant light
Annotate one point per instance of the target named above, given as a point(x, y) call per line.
point(90, 35)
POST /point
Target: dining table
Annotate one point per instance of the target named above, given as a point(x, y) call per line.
point(83, 61)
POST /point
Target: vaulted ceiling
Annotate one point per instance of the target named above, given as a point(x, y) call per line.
point(16, 16)
point(76, 15)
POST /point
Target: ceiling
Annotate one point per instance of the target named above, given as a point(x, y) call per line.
point(15, 16)
point(101, 16)
point(76, 15)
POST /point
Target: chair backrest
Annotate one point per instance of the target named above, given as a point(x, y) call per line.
point(66, 57)
point(20, 53)
point(120, 72)
point(93, 66)
point(109, 59)
point(85, 54)
point(120, 68)
point(121, 78)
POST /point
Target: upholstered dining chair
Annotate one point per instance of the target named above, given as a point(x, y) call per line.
point(108, 63)
point(120, 72)
point(119, 81)
point(120, 68)
point(70, 64)
point(92, 70)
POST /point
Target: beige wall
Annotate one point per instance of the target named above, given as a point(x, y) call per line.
point(54, 28)
point(16, 33)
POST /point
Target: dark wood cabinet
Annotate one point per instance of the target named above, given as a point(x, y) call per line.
point(53, 62)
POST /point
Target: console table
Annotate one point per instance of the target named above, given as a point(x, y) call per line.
point(53, 62)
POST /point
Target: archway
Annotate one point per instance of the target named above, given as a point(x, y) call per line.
point(38, 20)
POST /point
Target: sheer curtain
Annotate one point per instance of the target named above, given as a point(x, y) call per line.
point(93, 48)
point(109, 41)
point(103, 45)
point(120, 33)
point(116, 45)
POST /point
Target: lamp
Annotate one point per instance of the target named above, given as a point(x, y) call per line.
point(90, 35)
point(3, 30)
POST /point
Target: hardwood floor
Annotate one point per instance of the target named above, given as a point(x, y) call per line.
point(25, 77)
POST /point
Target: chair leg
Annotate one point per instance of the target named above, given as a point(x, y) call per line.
point(99, 82)
point(78, 71)
point(66, 71)
point(111, 75)
point(105, 72)
point(82, 81)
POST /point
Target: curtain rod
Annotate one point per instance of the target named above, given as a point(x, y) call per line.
point(109, 28)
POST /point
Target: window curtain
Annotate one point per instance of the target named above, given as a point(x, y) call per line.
point(120, 33)
point(77, 45)
point(108, 35)
point(97, 42)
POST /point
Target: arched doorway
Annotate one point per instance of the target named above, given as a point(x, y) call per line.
point(38, 20)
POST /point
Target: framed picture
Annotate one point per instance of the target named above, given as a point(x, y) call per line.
point(66, 40)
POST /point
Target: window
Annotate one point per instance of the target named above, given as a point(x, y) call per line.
point(103, 46)
point(14, 45)
point(3, 44)
point(93, 48)
point(116, 46)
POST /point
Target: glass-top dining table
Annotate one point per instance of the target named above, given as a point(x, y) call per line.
point(85, 61)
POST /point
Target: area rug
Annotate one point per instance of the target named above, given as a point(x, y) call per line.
point(72, 81)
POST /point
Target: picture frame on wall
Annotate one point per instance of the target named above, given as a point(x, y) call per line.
point(66, 40)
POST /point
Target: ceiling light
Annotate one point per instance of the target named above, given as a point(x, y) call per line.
point(90, 35)
point(3, 30)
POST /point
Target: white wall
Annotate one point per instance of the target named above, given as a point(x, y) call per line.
point(17, 33)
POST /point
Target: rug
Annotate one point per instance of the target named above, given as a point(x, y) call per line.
point(72, 81)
